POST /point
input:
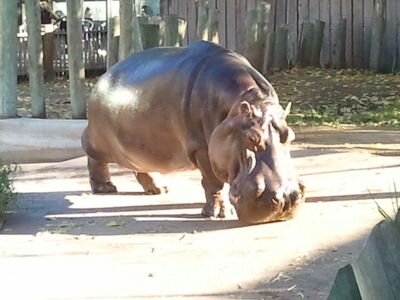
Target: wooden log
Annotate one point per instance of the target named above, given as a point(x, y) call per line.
point(36, 79)
point(305, 51)
point(75, 58)
point(318, 38)
point(377, 35)
point(150, 35)
point(126, 28)
point(8, 58)
point(339, 45)
point(212, 25)
point(173, 30)
point(202, 19)
point(280, 49)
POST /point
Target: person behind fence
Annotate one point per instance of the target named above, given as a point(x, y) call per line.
point(46, 13)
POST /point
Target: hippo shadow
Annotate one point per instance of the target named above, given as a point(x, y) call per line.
point(54, 213)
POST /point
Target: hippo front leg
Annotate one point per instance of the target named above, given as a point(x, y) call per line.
point(216, 205)
point(99, 174)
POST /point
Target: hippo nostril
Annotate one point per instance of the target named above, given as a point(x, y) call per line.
point(294, 196)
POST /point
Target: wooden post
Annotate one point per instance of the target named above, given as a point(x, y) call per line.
point(8, 58)
point(112, 54)
point(137, 37)
point(212, 25)
point(306, 43)
point(250, 47)
point(126, 28)
point(256, 34)
point(150, 35)
point(269, 52)
point(280, 49)
point(173, 31)
point(202, 19)
point(378, 23)
point(75, 58)
point(48, 52)
point(36, 80)
point(113, 47)
point(318, 38)
point(339, 45)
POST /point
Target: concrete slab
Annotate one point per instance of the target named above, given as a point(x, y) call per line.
point(64, 243)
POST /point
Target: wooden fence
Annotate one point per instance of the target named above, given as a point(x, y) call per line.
point(293, 14)
point(94, 52)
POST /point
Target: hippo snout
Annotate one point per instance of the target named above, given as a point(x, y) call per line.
point(256, 204)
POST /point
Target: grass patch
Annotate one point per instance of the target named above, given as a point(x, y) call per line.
point(7, 194)
point(335, 97)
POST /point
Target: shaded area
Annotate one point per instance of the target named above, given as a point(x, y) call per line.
point(375, 274)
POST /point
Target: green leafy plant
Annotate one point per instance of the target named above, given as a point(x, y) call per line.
point(395, 205)
point(7, 194)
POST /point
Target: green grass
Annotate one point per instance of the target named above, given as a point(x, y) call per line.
point(7, 194)
point(335, 97)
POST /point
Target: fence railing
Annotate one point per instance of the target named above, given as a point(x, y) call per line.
point(94, 45)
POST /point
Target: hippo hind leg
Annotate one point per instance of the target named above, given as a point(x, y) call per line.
point(151, 183)
point(99, 174)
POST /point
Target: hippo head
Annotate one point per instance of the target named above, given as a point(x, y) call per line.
point(250, 150)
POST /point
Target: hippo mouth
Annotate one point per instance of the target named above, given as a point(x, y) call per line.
point(267, 207)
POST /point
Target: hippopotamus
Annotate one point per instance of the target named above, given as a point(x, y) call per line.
point(202, 106)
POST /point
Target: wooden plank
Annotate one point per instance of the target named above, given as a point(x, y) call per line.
point(335, 17)
point(173, 7)
point(241, 25)
point(280, 12)
point(182, 9)
point(398, 42)
point(339, 45)
point(347, 13)
point(191, 33)
point(368, 9)
point(326, 58)
point(251, 4)
point(314, 10)
point(293, 31)
point(222, 27)
point(390, 37)
point(358, 33)
point(163, 7)
point(304, 9)
point(377, 35)
point(231, 25)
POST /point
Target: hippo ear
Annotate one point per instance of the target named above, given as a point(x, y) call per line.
point(245, 108)
point(287, 109)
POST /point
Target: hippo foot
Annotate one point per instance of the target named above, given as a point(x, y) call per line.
point(102, 187)
point(155, 190)
point(224, 211)
point(150, 183)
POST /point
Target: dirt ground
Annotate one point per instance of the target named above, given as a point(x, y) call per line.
point(64, 243)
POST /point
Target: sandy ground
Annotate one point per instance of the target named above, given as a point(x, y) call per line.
point(64, 243)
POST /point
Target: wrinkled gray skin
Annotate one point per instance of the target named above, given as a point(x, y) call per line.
point(171, 109)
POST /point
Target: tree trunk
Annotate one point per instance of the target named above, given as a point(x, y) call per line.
point(36, 79)
point(8, 58)
point(75, 58)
